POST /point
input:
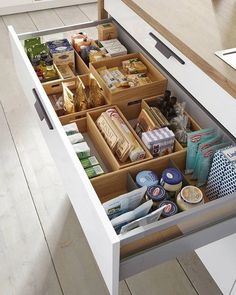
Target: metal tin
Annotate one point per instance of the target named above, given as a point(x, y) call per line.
point(170, 210)
point(146, 178)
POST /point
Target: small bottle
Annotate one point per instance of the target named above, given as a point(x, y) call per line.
point(165, 102)
point(50, 70)
point(36, 66)
point(43, 57)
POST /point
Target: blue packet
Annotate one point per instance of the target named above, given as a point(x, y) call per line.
point(205, 161)
point(202, 146)
point(194, 139)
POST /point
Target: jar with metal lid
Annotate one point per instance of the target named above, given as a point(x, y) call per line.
point(171, 180)
point(156, 193)
point(189, 197)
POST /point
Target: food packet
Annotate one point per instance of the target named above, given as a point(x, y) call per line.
point(150, 218)
point(134, 66)
point(180, 124)
point(80, 98)
point(127, 217)
point(194, 139)
point(95, 93)
point(138, 79)
point(68, 99)
point(205, 159)
point(80, 39)
point(208, 143)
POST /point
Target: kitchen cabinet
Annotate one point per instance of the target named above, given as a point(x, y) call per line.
point(121, 256)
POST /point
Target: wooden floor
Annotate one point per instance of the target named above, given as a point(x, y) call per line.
point(42, 248)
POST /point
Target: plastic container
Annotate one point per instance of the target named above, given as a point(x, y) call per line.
point(146, 178)
point(156, 193)
point(170, 210)
point(171, 180)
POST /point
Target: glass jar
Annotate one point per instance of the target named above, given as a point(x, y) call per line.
point(189, 197)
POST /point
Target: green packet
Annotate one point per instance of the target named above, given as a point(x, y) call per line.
point(89, 162)
point(202, 146)
point(94, 171)
point(29, 43)
point(205, 161)
point(37, 49)
point(193, 140)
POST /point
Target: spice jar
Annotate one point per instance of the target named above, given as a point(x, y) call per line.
point(171, 180)
point(156, 193)
point(189, 197)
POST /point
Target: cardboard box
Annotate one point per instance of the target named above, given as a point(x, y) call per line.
point(62, 53)
point(107, 31)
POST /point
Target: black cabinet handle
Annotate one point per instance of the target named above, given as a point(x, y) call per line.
point(166, 51)
point(40, 109)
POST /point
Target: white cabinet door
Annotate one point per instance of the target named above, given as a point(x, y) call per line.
point(97, 228)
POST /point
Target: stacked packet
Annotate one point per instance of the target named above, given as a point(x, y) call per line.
point(82, 150)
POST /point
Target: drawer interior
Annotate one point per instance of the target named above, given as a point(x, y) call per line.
point(106, 185)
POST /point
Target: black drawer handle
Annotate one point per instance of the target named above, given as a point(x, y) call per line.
point(166, 51)
point(40, 110)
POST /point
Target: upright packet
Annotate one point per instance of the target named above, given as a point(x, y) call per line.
point(202, 146)
point(204, 162)
point(150, 218)
point(127, 217)
point(124, 203)
point(194, 139)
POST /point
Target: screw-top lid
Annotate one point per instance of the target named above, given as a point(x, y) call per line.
point(49, 61)
point(172, 176)
point(35, 62)
point(191, 194)
point(170, 209)
point(44, 55)
point(146, 178)
point(156, 193)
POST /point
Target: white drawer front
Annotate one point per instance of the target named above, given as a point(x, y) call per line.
point(208, 93)
point(98, 230)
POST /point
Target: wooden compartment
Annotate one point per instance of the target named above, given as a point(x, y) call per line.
point(157, 87)
point(96, 150)
point(54, 91)
point(152, 102)
point(131, 111)
point(107, 152)
point(80, 65)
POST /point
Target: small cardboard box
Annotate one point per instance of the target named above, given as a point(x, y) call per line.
point(62, 53)
point(107, 31)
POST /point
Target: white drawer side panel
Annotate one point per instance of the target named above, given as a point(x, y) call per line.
point(98, 230)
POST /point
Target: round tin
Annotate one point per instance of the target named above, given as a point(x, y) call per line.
point(146, 178)
point(170, 210)
point(171, 180)
point(189, 197)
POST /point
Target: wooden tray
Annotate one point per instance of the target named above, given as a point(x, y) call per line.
point(157, 87)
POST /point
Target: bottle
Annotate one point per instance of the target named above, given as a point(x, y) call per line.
point(36, 65)
point(50, 70)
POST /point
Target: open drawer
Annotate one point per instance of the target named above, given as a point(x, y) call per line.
point(120, 256)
